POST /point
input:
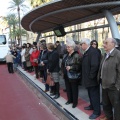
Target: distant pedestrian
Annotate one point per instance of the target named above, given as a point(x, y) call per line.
point(15, 63)
point(9, 60)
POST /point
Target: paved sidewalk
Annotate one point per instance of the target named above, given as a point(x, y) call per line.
point(83, 101)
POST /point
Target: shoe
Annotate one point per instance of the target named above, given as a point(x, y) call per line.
point(46, 90)
point(52, 94)
point(73, 106)
point(56, 96)
point(104, 118)
point(93, 116)
point(67, 103)
point(88, 108)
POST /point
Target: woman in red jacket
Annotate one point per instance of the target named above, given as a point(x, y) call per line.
point(34, 59)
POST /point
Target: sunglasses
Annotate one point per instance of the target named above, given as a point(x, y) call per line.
point(34, 48)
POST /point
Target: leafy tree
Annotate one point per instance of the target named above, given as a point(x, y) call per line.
point(12, 23)
point(18, 5)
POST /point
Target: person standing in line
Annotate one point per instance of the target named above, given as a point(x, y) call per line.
point(71, 63)
point(90, 67)
point(94, 44)
point(41, 67)
point(53, 68)
point(34, 60)
point(109, 74)
point(78, 48)
point(27, 57)
point(9, 60)
point(23, 57)
point(43, 63)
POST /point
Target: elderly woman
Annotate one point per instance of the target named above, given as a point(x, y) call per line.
point(53, 68)
point(71, 62)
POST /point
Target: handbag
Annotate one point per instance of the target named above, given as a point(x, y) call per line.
point(49, 80)
point(73, 75)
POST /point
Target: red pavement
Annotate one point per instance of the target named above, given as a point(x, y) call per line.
point(18, 102)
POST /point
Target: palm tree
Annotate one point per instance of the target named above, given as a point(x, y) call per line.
point(12, 23)
point(18, 4)
point(36, 3)
point(19, 33)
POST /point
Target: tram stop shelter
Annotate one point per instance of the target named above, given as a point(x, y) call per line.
point(70, 12)
point(66, 13)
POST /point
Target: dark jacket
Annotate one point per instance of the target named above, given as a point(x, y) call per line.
point(15, 54)
point(74, 61)
point(53, 62)
point(43, 57)
point(90, 66)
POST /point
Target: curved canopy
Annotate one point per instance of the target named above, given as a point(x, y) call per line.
point(67, 12)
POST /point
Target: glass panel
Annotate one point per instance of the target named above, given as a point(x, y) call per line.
point(2, 39)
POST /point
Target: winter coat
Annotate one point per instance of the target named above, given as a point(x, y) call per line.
point(111, 70)
point(90, 66)
point(27, 57)
point(74, 61)
point(53, 62)
point(9, 58)
point(34, 56)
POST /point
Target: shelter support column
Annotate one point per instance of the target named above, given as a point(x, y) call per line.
point(112, 23)
point(38, 36)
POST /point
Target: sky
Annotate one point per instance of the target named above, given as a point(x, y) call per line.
point(3, 7)
point(4, 4)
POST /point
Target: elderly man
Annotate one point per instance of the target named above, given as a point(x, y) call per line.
point(109, 74)
point(90, 67)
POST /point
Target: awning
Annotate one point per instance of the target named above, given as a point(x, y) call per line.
point(67, 12)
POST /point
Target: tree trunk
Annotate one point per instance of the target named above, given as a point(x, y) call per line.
point(19, 41)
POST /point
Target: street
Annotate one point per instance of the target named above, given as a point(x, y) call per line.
point(18, 102)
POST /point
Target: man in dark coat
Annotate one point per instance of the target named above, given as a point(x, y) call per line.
point(90, 67)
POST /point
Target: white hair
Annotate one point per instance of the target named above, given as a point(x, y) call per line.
point(70, 42)
point(85, 40)
point(114, 41)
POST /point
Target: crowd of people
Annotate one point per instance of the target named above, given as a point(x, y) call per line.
point(79, 63)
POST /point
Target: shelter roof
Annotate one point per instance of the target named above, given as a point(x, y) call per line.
point(67, 12)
